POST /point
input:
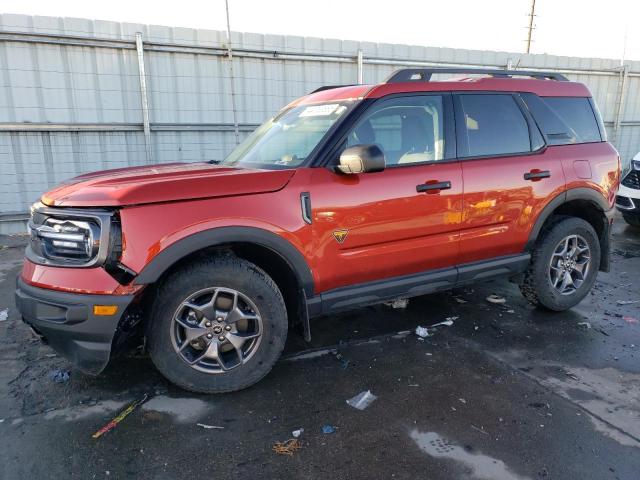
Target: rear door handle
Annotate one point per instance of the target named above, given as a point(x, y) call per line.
point(534, 175)
point(433, 187)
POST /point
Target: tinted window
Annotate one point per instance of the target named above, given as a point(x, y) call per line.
point(555, 129)
point(408, 129)
point(494, 125)
point(578, 114)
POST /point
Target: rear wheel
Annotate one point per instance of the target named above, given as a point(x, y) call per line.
point(217, 326)
point(564, 265)
point(633, 220)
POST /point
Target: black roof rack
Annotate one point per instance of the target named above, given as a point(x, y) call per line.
point(424, 74)
point(329, 87)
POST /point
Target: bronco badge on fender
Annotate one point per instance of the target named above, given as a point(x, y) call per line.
point(340, 235)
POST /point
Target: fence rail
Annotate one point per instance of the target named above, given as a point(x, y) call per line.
point(79, 95)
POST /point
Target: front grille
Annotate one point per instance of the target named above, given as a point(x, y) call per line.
point(624, 202)
point(632, 180)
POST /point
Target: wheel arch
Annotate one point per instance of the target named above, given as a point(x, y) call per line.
point(229, 236)
point(585, 203)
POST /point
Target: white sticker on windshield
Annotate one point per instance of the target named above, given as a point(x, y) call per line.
point(319, 110)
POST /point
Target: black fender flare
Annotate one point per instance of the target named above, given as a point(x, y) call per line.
point(225, 235)
point(588, 194)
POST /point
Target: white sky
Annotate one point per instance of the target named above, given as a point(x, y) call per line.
point(588, 28)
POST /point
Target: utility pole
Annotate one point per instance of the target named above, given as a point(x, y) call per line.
point(531, 15)
point(624, 45)
point(231, 77)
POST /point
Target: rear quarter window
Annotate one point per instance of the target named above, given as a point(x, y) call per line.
point(577, 113)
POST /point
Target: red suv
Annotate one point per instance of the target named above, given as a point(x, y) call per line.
point(351, 195)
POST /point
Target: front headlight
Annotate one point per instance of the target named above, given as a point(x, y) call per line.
point(70, 238)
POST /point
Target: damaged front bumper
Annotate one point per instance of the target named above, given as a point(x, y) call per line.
point(67, 321)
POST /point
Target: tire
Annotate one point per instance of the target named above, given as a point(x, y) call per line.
point(633, 220)
point(537, 285)
point(221, 276)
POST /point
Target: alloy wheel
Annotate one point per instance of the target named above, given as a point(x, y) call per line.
point(216, 330)
point(569, 264)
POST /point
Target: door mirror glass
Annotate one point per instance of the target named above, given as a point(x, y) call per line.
point(361, 159)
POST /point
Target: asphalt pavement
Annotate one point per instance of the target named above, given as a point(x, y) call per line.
point(499, 391)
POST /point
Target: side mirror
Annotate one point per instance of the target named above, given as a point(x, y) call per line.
point(362, 159)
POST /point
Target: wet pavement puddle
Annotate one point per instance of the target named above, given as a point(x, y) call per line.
point(481, 467)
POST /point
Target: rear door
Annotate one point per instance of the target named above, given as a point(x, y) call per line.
point(509, 174)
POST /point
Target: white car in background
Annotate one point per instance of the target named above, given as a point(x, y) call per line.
point(628, 199)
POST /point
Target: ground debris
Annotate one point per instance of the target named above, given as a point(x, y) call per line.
point(479, 430)
point(630, 320)
point(328, 429)
point(60, 376)
point(288, 447)
point(121, 416)
point(297, 433)
point(422, 332)
point(496, 299)
point(401, 334)
point(344, 363)
point(627, 302)
point(586, 325)
point(446, 323)
point(209, 427)
point(4, 314)
point(362, 400)
point(398, 303)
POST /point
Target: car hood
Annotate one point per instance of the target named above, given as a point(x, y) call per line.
point(163, 183)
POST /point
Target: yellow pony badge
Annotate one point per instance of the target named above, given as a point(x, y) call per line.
point(340, 235)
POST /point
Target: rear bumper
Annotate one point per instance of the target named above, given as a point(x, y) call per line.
point(67, 322)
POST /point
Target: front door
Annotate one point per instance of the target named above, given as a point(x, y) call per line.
point(402, 220)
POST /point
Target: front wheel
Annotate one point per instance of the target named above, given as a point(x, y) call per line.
point(564, 265)
point(217, 326)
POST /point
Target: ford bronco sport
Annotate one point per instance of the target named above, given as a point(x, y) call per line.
point(349, 196)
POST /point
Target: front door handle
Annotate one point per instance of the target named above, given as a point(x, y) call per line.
point(433, 186)
point(535, 175)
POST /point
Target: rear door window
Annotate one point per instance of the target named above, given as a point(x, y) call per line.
point(492, 124)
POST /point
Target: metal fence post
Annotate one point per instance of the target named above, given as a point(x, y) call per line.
point(360, 67)
point(143, 98)
point(624, 72)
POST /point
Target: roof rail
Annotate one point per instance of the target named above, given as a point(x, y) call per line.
point(424, 74)
point(329, 87)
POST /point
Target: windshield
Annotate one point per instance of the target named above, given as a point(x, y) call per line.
point(287, 140)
